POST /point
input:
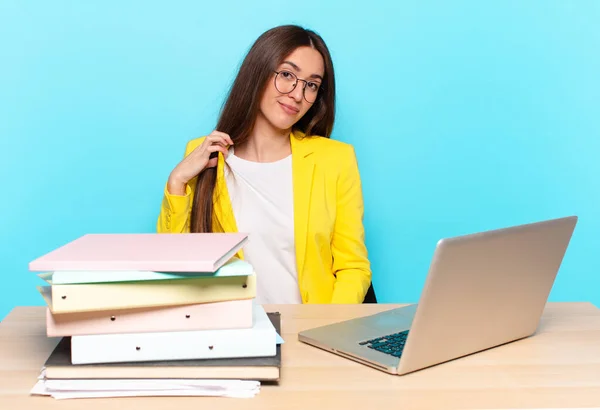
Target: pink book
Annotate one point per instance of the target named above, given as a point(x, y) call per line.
point(234, 314)
point(162, 252)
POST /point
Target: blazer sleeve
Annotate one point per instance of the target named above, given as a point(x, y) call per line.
point(351, 265)
point(175, 210)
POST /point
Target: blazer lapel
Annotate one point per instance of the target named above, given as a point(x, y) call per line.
point(302, 177)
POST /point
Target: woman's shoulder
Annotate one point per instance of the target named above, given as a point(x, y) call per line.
point(324, 145)
point(330, 152)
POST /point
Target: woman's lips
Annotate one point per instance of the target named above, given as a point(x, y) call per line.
point(288, 109)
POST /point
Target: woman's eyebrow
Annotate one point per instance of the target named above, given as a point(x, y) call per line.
point(295, 67)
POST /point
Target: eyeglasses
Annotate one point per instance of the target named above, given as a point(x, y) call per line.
point(286, 82)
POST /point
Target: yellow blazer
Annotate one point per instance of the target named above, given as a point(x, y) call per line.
point(331, 256)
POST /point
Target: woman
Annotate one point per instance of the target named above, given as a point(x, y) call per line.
point(270, 169)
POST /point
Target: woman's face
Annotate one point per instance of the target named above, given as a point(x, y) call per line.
point(283, 104)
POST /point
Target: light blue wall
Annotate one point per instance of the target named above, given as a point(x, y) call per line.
point(465, 116)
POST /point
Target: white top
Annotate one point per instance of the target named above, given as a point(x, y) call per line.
point(263, 206)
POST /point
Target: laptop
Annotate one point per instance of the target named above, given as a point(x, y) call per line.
point(482, 290)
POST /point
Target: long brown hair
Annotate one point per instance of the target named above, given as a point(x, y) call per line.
point(241, 107)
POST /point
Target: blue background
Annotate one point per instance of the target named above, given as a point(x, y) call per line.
point(465, 115)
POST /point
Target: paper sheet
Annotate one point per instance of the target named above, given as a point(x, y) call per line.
point(74, 389)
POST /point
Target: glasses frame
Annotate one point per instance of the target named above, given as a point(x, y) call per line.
point(296, 84)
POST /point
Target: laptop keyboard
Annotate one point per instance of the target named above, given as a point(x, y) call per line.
point(391, 344)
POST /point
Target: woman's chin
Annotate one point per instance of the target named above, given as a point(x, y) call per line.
point(283, 124)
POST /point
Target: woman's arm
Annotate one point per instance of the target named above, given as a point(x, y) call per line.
point(350, 260)
point(176, 207)
point(175, 210)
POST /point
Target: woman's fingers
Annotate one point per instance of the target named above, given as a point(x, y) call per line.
point(223, 135)
point(218, 148)
point(217, 139)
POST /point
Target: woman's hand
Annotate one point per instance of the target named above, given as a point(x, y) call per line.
point(197, 161)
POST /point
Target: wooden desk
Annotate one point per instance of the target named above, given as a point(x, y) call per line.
point(559, 367)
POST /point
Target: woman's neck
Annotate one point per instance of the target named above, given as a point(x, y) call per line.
point(265, 143)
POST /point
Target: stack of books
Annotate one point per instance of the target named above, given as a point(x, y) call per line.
point(151, 307)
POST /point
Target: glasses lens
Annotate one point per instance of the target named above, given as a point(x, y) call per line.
point(285, 82)
point(310, 92)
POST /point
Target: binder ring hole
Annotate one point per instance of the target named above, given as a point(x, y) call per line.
point(137, 348)
point(112, 318)
point(63, 296)
point(244, 286)
point(210, 347)
point(187, 316)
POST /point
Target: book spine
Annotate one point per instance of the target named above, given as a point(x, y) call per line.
point(234, 314)
point(107, 296)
